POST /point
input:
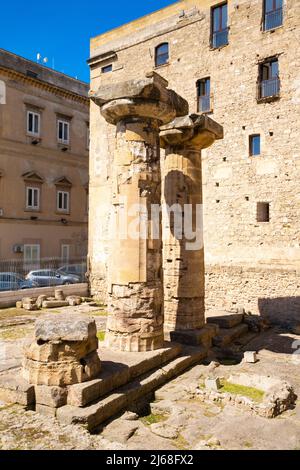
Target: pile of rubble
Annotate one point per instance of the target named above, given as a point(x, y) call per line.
point(44, 301)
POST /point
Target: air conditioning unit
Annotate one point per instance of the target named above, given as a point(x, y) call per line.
point(18, 248)
point(1, 212)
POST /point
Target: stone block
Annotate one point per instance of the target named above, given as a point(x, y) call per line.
point(74, 300)
point(61, 374)
point(46, 410)
point(227, 336)
point(59, 294)
point(54, 303)
point(61, 350)
point(202, 337)
point(14, 389)
point(250, 357)
point(65, 328)
point(40, 300)
point(226, 321)
point(53, 397)
point(213, 384)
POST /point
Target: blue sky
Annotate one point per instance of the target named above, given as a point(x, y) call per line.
point(61, 29)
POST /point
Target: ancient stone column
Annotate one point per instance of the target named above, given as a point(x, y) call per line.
point(137, 108)
point(184, 281)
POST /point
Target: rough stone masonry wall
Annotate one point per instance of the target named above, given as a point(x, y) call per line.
point(268, 253)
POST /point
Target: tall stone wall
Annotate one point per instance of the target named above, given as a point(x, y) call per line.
point(267, 253)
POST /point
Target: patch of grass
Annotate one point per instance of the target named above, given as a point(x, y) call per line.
point(181, 443)
point(100, 313)
point(14, 333)
point(248, 445)
point(101, 336)
point(152, 419)
point(250, 392)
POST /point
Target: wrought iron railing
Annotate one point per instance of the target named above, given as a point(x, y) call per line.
point(273, 19)
point(269, 88)
point(220, 38)
point(204, 104)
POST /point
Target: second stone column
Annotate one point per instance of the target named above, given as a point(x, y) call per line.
point(184, 279)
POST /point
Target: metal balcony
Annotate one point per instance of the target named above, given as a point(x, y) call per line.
point(273, 19)
point(269, 88)
point(220, 38)
point(204, 104)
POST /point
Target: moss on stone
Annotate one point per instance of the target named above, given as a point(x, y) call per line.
point(235, 389)
point(152, 419)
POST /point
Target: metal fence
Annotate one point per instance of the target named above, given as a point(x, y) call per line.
point(18, 274)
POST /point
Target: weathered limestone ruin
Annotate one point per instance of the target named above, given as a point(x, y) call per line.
point(137, 108)
point(184, 278)
point(64, 352)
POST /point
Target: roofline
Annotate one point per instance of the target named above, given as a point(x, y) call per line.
point(48, 69)
point(136, 20)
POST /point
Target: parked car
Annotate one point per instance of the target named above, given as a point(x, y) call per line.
point(74, 269)
point(48, 277)
point(12, 281)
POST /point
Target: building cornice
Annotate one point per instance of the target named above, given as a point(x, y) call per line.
point(37, 83)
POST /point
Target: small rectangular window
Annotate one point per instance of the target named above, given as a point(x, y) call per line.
point(263, 212)
point(203, 91)
point(63, 201)
point(107, 69)
point(219, 25)
point(255, 146)
point(32, 198)
point(33, 123)
point(63, 132)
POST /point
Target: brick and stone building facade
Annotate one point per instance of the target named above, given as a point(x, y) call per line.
point(238, 62)
point(44, 140)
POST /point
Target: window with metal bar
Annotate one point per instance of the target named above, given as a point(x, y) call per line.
point(219, 26)
point(269, 83)
point(273, 14)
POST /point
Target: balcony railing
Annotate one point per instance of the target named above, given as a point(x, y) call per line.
point(220, 38)
point(273, 19)
point(269, 88)
point(204, 104)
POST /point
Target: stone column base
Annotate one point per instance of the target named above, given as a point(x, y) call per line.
point(202, 337)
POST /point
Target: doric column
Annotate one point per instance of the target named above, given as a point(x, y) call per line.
point(137, 108)
point(184, 280)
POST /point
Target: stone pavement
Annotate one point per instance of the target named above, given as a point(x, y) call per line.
point(175, 419)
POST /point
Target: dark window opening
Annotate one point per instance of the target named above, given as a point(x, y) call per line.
point(273, 14)
point(255, 146)
point(203, 95)
point(162, 54)
point(219, 25)
point(269, 82)
point(263, 212)
point(107, 69)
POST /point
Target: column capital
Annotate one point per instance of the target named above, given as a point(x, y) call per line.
point(147, 98)
point(194, 130)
